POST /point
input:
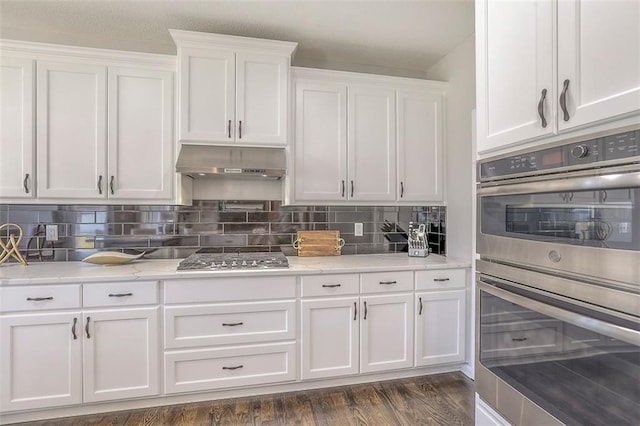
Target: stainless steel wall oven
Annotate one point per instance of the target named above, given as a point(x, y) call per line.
point(558, 283)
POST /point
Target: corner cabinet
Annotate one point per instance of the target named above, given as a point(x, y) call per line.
point(364, 138)
point(535, 80)
point(232, 90)
point(17, 136)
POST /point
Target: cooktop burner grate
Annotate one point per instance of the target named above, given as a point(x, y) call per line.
point(202, 261)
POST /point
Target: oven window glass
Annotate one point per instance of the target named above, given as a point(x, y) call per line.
point(579, 376)
point(608, 219)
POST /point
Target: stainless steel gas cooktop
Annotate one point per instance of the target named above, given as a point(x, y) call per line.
point(203, 261)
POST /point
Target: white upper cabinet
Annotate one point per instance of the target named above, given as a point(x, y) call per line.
point(17, 162)
point(320, 141)
point(140, 126)
point(364, 138)
point(232, 90)
point(536, 79)
point(371, 133)
point(514, 71)
point(599, 58)
point(71, 130)
point(420, 145)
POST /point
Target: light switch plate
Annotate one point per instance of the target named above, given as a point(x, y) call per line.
point(357, 229)
point(51, 232)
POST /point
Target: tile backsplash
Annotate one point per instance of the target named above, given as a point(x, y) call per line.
point(166, 232)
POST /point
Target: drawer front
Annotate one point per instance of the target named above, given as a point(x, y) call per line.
point(202, 370)
point(120, 294)
point(202, 290)
point(205, 325)
point(441, 279)
point(39, 298)
point(330, 285)
point(522, 339)
point(386, 281)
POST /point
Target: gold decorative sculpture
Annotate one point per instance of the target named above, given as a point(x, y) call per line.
point(10, 249)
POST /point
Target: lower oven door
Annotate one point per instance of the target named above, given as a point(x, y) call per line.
point(579, 365)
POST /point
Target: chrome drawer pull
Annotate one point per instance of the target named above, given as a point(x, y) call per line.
point(388, 282)
point(120, 294)
point(25, 183)
point(439, 280)
point(233, 368)
point(86, 328)
point(355, 311)
point(232, 324)
point(73, 329)
point(563, 100)
point(331, 285)
point(519, 339)
point(420, 300)
point(39, 299)
point(365, 310)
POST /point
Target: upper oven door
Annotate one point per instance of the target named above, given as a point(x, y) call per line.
point(585, 224)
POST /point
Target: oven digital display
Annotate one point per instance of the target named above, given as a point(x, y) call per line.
point(553, 158)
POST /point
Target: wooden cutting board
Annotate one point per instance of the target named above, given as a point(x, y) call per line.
point(318, 243)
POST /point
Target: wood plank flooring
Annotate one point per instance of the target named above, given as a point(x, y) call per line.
point(441, 399)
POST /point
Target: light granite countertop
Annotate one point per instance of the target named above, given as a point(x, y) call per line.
point(145, 270)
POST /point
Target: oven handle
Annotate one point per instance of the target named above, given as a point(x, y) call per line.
point(598, 326)
point(583, 183)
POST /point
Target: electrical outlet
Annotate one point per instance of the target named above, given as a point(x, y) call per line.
point(357, 230)
point(51, 232)
point(623, 227)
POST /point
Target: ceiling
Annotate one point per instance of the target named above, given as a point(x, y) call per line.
point(392, 37)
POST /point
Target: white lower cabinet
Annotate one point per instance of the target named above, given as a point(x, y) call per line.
point(121, 354)
point(40, 360)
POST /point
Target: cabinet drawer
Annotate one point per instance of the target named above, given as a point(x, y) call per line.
point(120, 294)
point(384, 282)
point(38, 298)
point(209, 369)
point(227, 289)
point(202, 325)
point(442, 279)
point(521, 339)
point(328, 285)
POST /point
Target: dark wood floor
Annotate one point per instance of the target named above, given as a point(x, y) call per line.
point(442, 399)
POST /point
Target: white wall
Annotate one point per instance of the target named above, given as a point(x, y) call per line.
point(458, 69)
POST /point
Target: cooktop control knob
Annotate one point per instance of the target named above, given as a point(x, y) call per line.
point(579, 151)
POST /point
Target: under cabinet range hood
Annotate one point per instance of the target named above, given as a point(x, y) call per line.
point(201, 161)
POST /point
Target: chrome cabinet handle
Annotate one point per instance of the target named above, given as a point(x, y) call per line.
point(331, 285)
point(111, 184)
point(401, 189)
point(441, 279)
point(86, 328)
point(541, 108)
point(563, 100)
point(24, 183)
point(229, 129)
point(232, 324)
point(100, 184)
point(120, 294)
point(420, 310)
point(355, 310)
point(73, 329)
point(39, 299)
point(365, 310)
point(233, 368)
point(351, 188)
point(240, 129)
point(518, 339)
point(343, 189)
point(388, 282)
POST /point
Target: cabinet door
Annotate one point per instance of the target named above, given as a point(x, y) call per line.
point(599, 55)
point(121, 354)
point(71, 130)
point(371, 144)
point(440, 327)
point(386, 336)
point(207, 95)
point(320, 141)
point(420, 146)
point(261, 99)
point(330, 329)
point(514, 54)
point(40, 361)
point(16, 128)
point(140, 126)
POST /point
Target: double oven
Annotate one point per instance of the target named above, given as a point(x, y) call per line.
point(558, 283)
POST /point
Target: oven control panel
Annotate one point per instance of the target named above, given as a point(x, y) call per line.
point(614, 147)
